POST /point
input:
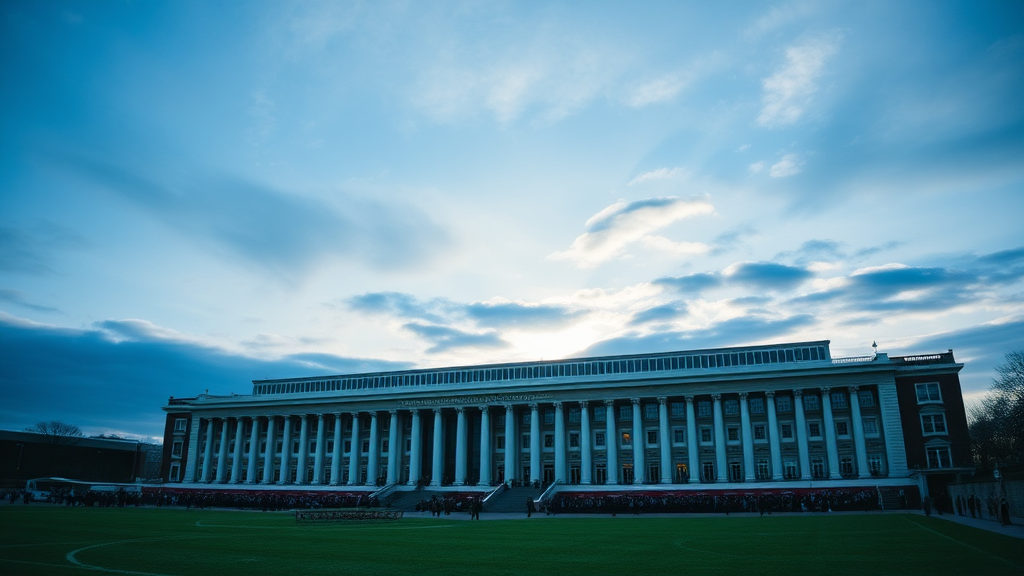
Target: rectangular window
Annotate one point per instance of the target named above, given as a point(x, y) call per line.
point(705, 435)
point(870, 427)
point(679, 435)
point(704, 409)
point(842, 428)
point(789, 469)
point(626, 413)
point(176, 449)
point(172, 474)
point(733, 433)
point(574, 439)
point(933, 423)
point(811, 402)
point(599, 413)
point(786, 431)
point(574, 415)
point(549, 440)
point(652, 437)
point(599, 439)
point(526, 442)
point(939, 457)
point(875, 464)
point(408, 445)
point(179, 425)
point(839, 400)
point(928, 392)
point(814, 429)
point(867, 399)
point(783, 404)
point(366, 446)
point(732, 407)
point(846, 465)
point(347, 446)
point(627, 439)
point(678, 410)
point(762, 469)
point(760, 432)
point(757, 405)
point(384, 446)
point(499, 442)
point(527, 414)
point(549, 416)
point(735, 472)
point(650, 411)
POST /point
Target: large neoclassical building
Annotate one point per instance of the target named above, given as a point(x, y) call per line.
point(770, 416)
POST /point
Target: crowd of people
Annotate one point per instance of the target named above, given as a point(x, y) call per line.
point(455, 502)
point(764, 502)
point(265, 501)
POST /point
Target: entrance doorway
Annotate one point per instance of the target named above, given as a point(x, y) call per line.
point(654, 472)
point(549, 474)
point(627, 473)
point(682, 474)
point(708, 471)
point(601, 474)
point(574, 475)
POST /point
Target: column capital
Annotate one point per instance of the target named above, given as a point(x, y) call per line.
point(437, 410)
point(716, 397)
point(854, 389)
point(584, 404)
point(304, 416)
point(558, 405)
point(770, 394)
point(689, 398)
point(743, 395)
point(460, 409)
point(635, 401)
point(509, 407)
point(662, 400)
point(414, 410)
point(483, 408)
point(393, 412)
point(798, 392)
point(825, 390)
point(355, 415)
point(609, 403)
point(533, 406)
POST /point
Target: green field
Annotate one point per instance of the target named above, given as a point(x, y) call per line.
point(54, 540)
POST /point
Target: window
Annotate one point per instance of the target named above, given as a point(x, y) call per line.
point(783, 404)
point(867, 399)
point(762, 469)
point(839, 400)
point(650, 411)
point(933, 423)
point(574, 439)
point(678, 410)
point(527, 414)
point(652, 437)
point(789, 469)
point(818, 467)
point(757, 405)
point(408, 445)
point(366, 446)
point(814, 429)
point(705, 435)
point(499, 442)
point(760, 432)
point(842, 428)
point(786, 431)
point(574, 415)
point(732, 407)
point(330, 446)
point(627, 439)
point(599, 439)
point(526, 442)
point(870, 427)
point(928, 392)
point(846, 465)
point(875, 464)
point(708, 471)
point(172, 474)
point(176, 449)
point(384, 445)
point(679, 435)
point(735, 472)
point(626, 413)
point(733, 433)
point(811, 402)
point(347, 446)
point(599, 413)
point(499, 420)
point(549, 440)
point(179, 425)
point(938, 457)
point(704, 409)
point(549, 416)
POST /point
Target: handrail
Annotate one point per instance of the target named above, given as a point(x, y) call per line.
point(383, 492)
point(495, 491)
point(547, 492)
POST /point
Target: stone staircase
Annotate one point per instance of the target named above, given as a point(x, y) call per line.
point(407, 500)
point(512, 500)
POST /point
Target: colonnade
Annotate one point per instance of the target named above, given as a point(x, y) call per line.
point(277, 464)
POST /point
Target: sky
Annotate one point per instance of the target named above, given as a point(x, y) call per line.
point(194, 195)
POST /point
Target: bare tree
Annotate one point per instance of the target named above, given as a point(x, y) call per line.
point(997, 421)
point(57, 432)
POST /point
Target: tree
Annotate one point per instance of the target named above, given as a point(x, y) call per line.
point(997, 422)
point(57, 432)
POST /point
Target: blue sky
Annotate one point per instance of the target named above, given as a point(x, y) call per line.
point(197, 194)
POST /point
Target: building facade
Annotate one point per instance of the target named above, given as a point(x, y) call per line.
point(771, 416)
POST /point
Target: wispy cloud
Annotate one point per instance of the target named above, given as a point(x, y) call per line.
point(789, 165)
point(659, 174)
point(19, 298)
point(658, 90)
point(33, 250)
point(788, 92)
point(610, 231)
point(446, 338)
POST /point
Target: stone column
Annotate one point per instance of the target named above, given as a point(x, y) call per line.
point(373, 458)
point(639, 467)
point(586, 463)
point(355, 454)
point(748, 439)
point(336, 452)
point(559, 443)
point(859, 443)
point(269, 452)
point(611, 442)
point(485, 446)
point(831, 446)
point(692, 442)
point(511, 445)
point(236, 458)
point(437, 470)
point(254, 451)
point(801, 435)
point(721, 463)
point(207, 451)
point(460, 446)
point(394, 454)
point(222, 454)
point(664, 442)
point(416, 454)
point(300, 468)
point(192, 457)
point(773, 437)
point(286, 451)
point(534, 444)
point(318, 458)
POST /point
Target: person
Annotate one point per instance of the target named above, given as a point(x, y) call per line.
point(529, 507)
point(926, 503)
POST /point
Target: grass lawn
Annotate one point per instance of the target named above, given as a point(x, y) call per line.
point(56, 540)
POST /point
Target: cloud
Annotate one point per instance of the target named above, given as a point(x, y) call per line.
point(663, 313)
point(97, 381)
point(517, 315)
point(659, 90)
point(728, 240)
point(446, 338)
point(672, 247)
point(767, 275)
point(790, 165)
point(756, 167)
point(617, 226)
point(788, 92)
point(32, 251)
point(18, 298)
point(286, 234)
point(400, 305)
point(981, 347)
point(441, 311)
point(659, 174)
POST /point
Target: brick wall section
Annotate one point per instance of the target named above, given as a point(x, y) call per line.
point(955, 415)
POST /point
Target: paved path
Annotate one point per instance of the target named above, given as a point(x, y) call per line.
point(1015, 530)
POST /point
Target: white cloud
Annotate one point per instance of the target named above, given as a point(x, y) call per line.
point(788, 166)
point(743, 148)
point(622, 223)
point(756, 167)
point(788, 92)
point(660, 90)
point(659, 174)
point(673, 247)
